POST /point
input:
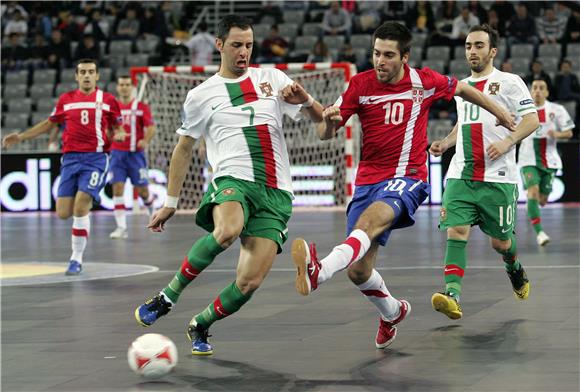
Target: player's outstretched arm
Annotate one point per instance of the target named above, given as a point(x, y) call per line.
point(529, 124)
point(330, 123)
point(38, 129)
point(566, 134)
point(149, 133)
point(180, 161)
point(296, 94)
point(440, 146)
point(476, 97)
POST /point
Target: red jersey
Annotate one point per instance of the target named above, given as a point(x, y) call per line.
point(87, 119)
point(136, 116)
point(394, 121)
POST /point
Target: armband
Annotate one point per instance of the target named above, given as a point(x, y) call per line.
point(171, 201)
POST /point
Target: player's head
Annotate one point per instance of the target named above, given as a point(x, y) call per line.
point(391, 48)
point(87, 74)
point(234, 41)
point(540, 91)
point(481, 47)
point(124, 87)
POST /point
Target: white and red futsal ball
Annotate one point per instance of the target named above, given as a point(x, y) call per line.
point(152, 355)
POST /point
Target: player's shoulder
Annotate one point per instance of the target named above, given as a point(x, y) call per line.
point(363, 78)
point(109, 97)
point(68, 96)
point(507, 77)
point(554, 107)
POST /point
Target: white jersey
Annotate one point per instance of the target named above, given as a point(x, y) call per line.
point(241, 121)
point(539, 149)
point(477, 129)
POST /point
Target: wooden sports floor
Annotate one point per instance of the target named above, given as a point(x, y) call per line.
point(72, 334)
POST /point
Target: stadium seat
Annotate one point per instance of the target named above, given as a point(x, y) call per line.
point(459, 68)
point(148, 45)
point(261, 30)
point(362, 55)
point(522, 51)
point(311, 29)
point(112, 87)
point(39, 116)
point(288, 30)
point(17, 77)
point(417, 53)
point(137, 60)
point(362, 41)
point(437, 129)
point(116, 61)
point(15, 90)
point(41, 91)
point(438, 53)
point(459, 53)
point(294, 16)
point(62, 88)
point(46, 76)
point(550, 50)
point(45, 104)
point(435, 65)
point(67, 76)
point(16, 121)
point(122, 47)
point(573, 49)
point(105, 74)
point(334, 42)
point(19, 105)
point(549, 64)
point(520, 65)
point(305, 43)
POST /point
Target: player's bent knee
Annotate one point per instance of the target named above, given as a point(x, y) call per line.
point(63, 214)
point(458, 233)
point(248, 286)
point(225, 236)
point(500, 245)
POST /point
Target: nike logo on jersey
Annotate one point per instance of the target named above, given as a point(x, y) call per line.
point(506, 230)
point(397, 204)
point(215, 107)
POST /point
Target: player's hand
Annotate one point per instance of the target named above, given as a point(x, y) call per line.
point(507, 119)
point(332, 115)
point(142, 144)
point(11, 139)
point(438, 148)
point(551, 134)
point(119, 136)
point(158, 219)
point(497, 149)
point(294, 94)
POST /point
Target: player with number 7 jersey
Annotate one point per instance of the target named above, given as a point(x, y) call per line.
point(392, 102)
point(88, 113)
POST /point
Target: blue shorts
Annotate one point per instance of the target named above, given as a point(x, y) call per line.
point(403, 194)
point(83, 171)
point(129, 164)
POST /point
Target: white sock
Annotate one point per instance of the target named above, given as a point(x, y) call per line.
point(80, 233)
point(120, 212)
point(376, 291)
point(351, 250)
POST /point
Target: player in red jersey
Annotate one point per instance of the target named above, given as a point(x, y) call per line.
point(128, 156)
point(392, 102)
point(88, 114)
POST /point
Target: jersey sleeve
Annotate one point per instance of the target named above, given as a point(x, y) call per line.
point(193, 122)
point(520, 100)
point(147, 118)
point(348, 102)
point(283, 80)
point(563, 119)
point(445, 86)
point(114, 115)
point(57, 115)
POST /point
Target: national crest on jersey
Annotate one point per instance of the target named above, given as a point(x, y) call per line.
point(394, 121)
point(477, 129)
point(136, 117)
point(539, 149)
point(241, 120)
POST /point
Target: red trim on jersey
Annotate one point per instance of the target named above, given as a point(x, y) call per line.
point(374, 293)
point(268, 151)
point(543, 147)
point(452, 269)
point(80, 232)
point(542, 115)
point(480, 85)
point(478, 151)
point(248, 90)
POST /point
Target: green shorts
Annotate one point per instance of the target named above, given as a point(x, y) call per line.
point(266, 210)
point(536, 175)
point(490, 205)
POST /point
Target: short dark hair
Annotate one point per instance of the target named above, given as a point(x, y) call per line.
point(491, 32)
point(229, 21)
point(124, 76)
point(541, 79)
point(87, 61)
point(396, 32)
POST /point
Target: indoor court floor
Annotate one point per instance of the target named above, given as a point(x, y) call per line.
point(72, 333)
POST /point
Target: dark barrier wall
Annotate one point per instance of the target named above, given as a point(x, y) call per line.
point(29, 181)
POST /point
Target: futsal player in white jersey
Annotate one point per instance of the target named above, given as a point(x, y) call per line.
point(239, 113)
point(538, 157)
point(482, 177)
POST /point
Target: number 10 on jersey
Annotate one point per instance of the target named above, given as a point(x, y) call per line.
point(394, 113)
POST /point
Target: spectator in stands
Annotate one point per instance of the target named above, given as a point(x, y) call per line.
point(444, 23)
point(495, 22)
point(88, 48)
point(336, 20)
point(40, 20)
point(462, 24)
point(347, 54)
point(17, 24)
point(152, 24)
point(67, 25)
point(38, 52)
point(505, 11)
point(8, 10)
point(477, 10)
point(396, 10)
point(522, 27)
point(319, 53)
point(59, 53)
point(128, 27)
point(270, 13)
point(14, 54)
point(562, 10)
point(421, 18)
point(274, 48)
point(368, 17)
point(537, 72)
point(572, 33)
point(550, 28)
point(201, 46)
point(97, 26)
point(566, 84)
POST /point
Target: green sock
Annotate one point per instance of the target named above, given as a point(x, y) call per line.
point(510, 256)
point(455, 262)
point(534, 215)
point(229, 301)
point(201, 254)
